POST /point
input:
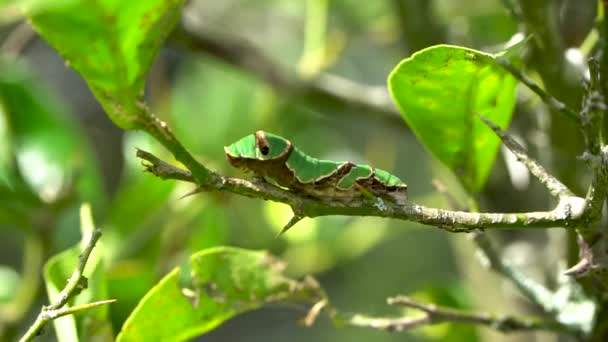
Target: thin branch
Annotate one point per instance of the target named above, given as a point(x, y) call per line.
point(164, 170)
point(47, 314)
point(489, 257)
point(161, 132)
point(434, 314)
point(547, 98)
point(77, 281)
point(18, 40)
point(305, 206)
point(74, 286)
point(535, 292)
point(325, 91)
point(555, 187)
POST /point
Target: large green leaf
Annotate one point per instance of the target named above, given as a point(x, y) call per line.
point(440, 91)
point(112, 44)
point(49, 147)
point(227, 281)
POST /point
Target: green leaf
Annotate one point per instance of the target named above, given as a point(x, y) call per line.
point(439, 91)
point(94, 323)
point(9, 284)
point(5, 149)
point(227, 281)
point(112, 44)
point(50, 149)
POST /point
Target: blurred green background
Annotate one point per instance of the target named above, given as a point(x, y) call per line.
point(63, 150)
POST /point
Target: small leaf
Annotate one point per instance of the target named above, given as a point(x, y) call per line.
point(112, 44)
point(439, 91)
point(225, 282)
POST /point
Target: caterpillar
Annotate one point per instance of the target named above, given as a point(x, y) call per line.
point(275, 158)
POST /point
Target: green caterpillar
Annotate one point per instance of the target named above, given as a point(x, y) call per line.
point(273, 157)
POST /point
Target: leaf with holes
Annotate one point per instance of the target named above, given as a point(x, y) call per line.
point(222, 282)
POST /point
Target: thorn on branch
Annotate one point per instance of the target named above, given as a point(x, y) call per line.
point(294, 219)
point(314, 312)
point(585, 255)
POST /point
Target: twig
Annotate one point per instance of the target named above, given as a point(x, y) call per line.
point(305, 206)
point(164, 170)
point(77, 281)
point(548, 99)
point(535, 292)
point(161, 132)
point(74, 286)
point(325, 90)
point(18, 40)
point(47, 314)
point(434, 314)
point(314, 312)
point(438, 314)
point(489, 257)
point(555, 187)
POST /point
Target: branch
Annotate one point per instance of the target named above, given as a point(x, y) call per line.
point(77, 281)
point(323, 91)
point(47, 314)
point(535, 292)
point(18, 40)
point(555, 187)
point(305, 206)
point(160, 130)
point(548, 99)
point(489, 257)
point(74, 286)
point(433, 314)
